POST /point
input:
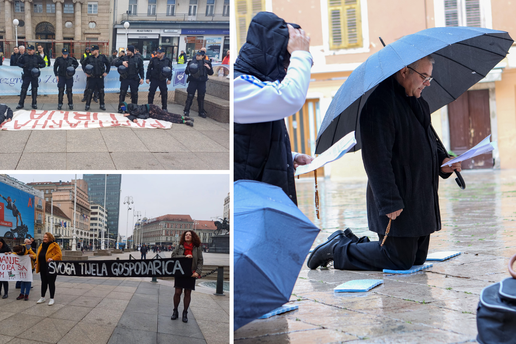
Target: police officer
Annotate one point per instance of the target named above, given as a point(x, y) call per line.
point(181, 59)
point(30, 63)
point(64, 70)
point(87, 52)
point(131, 72)
point(159, 73)
point(197, 71)
point(98, 65)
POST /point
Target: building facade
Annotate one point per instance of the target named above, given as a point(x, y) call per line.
point(105, 189)
point(175, 25)
point(98, 225)
point(345, 33)
point(227, 204)
point(59, 224)
point(56, 24)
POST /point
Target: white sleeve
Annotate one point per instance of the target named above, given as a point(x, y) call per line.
point(258, 101)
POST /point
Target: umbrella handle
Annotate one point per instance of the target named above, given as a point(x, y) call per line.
point(460, 181)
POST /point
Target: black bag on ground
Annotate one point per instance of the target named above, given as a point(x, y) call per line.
point(496, 313)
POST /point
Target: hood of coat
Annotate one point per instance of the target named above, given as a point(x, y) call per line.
point(265, 51)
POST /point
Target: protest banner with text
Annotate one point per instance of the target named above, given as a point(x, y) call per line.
point(15, 268)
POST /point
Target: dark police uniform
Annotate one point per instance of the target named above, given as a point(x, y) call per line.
point(96, 80)
point(83, 58)
point(60, 66)
point(28, 62)
point(197, 82)
point(132, 78)
point(157, 79)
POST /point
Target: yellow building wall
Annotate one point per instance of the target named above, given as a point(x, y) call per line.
point(506, 118)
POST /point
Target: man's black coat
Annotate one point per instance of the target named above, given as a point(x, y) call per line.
point(402, 162)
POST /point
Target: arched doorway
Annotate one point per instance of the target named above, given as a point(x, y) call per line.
point(45, 30)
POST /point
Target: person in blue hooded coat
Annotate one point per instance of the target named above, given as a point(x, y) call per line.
point(272, 74)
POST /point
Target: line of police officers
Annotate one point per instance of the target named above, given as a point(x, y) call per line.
point(96, 66)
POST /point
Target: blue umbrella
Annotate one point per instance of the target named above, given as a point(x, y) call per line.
point(271, 240)
point(463, 56)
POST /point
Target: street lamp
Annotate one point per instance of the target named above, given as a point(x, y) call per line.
point(126, 25)
point(127, 200)
point(16, 22)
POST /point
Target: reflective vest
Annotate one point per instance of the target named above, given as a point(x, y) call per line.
point(47, 62)
point(181, 59)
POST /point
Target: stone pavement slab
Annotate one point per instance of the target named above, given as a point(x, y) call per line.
point(433, 306)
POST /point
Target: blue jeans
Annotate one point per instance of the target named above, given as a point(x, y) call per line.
point(25, 288)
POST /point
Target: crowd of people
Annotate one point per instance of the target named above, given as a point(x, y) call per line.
point(130, 67)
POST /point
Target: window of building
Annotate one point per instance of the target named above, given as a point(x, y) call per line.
point(38, 8)
point(171, 7)
point(245, 11)
point(225, 11)
point(192, 10)
point(93, 7)
point(462, 13)
point(19, 6)
point(210, 6)
point(133, 7)
point(345, 24)
point(151, 8)
point(68, 9)
point(51, 8)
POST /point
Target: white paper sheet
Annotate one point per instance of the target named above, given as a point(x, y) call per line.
point(333, 153)
point(484, 146)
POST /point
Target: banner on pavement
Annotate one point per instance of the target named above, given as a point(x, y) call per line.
point(123, 268)
point(73, 120)
point(11, 80)
point(15, 268)
point(16, 213)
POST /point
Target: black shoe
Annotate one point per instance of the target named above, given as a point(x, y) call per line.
point(34, 106)
point(5, 297)
point(186, 113)
point(103, 107)
point(59, 106)
point(337, 233)
point(70, 106)
point(323, 254)
point(185, 316)
point(19, 107)
point(202, 114)
point(175, 314)
point(86, 108)
point(83, 99)
point(189, 124)
point(349, 234)
point(95, 99)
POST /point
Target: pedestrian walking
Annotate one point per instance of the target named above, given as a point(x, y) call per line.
point(4, 248)
point(197, 71)
point(96, 66)
point(31, 63)
point(400, 154)
point(189, 247)
point(130, 68)
point(159, 74)
point(64, 70)
point(48, 251)
point(143, 252)
point(23, 250)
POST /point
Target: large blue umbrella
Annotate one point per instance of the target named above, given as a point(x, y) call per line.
point(271, 240)
point(463, 56)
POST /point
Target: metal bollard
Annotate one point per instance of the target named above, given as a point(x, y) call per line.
point(220, 281)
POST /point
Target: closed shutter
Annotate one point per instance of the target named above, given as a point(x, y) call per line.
point(473, 13)
point(462, 13)
point(451, 13)
point(345, 24)
point(245, 11)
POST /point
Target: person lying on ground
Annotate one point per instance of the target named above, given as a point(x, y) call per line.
point(133, 112)
point(6, 114)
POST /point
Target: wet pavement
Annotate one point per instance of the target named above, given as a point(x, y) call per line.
point(434, 306)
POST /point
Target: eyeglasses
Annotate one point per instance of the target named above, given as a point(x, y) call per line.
point(425, 78)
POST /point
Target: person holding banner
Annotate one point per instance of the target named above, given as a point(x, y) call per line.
point(64, 70)
point(31, 64)
point(189, 247)
point(23, 250)
point(48, 251)
point(4, 248)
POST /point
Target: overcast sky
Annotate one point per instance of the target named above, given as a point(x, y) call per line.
point(199, 195)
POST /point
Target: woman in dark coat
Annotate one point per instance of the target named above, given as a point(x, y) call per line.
point(189, 247)
point(133, 112)
point(48, 251)
point(4, 248)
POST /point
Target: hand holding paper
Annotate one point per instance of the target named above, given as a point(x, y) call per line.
point(485, 146)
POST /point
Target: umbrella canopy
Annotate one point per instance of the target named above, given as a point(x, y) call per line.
point(463, 56)
point(271, 240)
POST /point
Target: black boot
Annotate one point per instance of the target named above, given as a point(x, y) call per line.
point(175, 314)
point(60, 98)
point(200, 103)
point(134, 97)
point(150, 98)
point(121, 99)
point(101, 98)
point(34, 97)
point(23, 94)
point(69, 95)
point(96, 96)
point(88, 95)
point(164, 100)
point(185, 316)
point(189, 100)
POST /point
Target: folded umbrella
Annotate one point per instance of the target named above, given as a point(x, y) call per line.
point(463, 56)
point(272, 238)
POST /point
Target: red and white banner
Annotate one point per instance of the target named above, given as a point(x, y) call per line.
point(71, 120)
point(15, 268)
